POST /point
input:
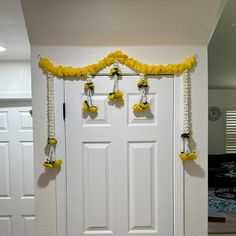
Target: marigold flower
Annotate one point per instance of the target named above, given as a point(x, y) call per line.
point(117, 95)
point(141, 106)
point(52, 141)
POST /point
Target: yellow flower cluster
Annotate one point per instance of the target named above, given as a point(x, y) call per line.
point(117, 95)
point(142, 83)
point(188, 156)
point(141, 106)
point(52, 164)
point(114, 71)
point(68, 71)
point(52, 141)
point(87, 108)
point(89, 86)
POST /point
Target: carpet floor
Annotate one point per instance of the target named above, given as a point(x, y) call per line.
point(220, 207)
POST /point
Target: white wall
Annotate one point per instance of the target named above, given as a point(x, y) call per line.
point(15, 79)
point(222, 98)
point(195, 172)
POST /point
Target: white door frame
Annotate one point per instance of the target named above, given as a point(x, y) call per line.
point(178, 170)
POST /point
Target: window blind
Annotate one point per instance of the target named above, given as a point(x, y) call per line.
point(230, 131)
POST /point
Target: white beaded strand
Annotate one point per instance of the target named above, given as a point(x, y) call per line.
point(115, 77)
point(186, 94)
point(116, 85)
point(51, 107)
point(143, 96)
point(89, 91)
point(51, 117)
point(187, 153)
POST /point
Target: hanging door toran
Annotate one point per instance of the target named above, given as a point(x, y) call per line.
point(119, 160)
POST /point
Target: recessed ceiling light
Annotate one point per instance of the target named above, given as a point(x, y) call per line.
point(2, 49)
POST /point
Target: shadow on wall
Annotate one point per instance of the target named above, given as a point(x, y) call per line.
point(194, 170)
point(49, 174)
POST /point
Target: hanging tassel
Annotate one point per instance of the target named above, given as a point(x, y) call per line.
point(115, 72)
point(143, 104)
point(51, 161)
point(88, 103)
point(186, 154)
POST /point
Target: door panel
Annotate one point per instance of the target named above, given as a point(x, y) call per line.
point(142, 188)
point(16, 172)
point(96, 186)
point(119, 163)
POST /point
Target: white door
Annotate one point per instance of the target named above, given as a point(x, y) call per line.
point(16, 171)
point(120, 164)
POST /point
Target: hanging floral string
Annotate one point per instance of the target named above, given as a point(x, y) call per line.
point(51, 161)
point(187, 153)
point(116, 95)
point(143, 103)
point(89, 89)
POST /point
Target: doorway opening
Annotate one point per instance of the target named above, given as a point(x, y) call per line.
point(222, 125)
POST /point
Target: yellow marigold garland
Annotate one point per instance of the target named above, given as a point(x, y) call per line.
point(68, 71)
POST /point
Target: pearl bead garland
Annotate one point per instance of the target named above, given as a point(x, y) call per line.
point(51, 161)
point(143, 96)
point(186, 93)
point(51, 107)
point(186, 153)
point(51, 117)
point(89, 92)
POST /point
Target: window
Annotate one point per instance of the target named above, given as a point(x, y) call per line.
point(230, 131)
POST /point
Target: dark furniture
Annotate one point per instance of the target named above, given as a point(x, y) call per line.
point(229, 193)
point(217, 178)
point(216, 168)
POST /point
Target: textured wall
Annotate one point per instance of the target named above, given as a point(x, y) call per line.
point(15, 79)
point(195, 172)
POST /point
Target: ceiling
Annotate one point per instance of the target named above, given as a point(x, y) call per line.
point(13, 34)
point(222, 50)
point(104, 23)
point(120, 22)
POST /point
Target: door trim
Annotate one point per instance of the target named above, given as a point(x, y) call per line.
point(61, 154)
point(179, 215)
point(178, 170)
